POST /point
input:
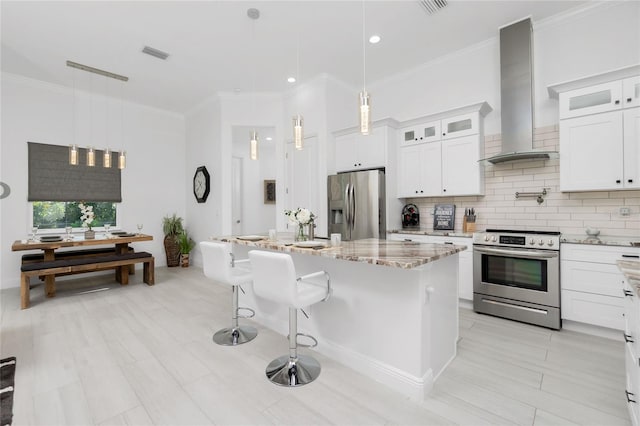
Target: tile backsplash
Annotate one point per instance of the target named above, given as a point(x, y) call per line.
point(567, 212)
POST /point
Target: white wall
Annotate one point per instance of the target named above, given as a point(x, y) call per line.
point(203, 145)
point(257, 217)
point(566, 47)
point(152, 183)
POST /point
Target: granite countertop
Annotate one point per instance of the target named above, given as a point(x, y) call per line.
point(431, 232)
point(631, 271)
point(397, 254)
point(601, 240)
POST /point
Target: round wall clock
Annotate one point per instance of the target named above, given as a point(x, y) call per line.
point(201, 183)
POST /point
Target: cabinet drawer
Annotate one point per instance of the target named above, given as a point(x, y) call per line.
point(632, 385)
point(597, 254)
point(604, 311)
point(595, 278)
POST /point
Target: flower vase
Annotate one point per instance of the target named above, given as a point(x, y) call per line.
point(89, 235)
point(300, 235)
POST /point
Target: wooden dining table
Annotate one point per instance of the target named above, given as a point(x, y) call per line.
point(121, 243)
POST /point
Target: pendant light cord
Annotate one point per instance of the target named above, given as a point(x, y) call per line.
point(364, 50)
point(73, 136)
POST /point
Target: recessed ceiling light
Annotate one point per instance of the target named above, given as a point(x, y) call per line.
point(374, 39)
point(291, 79)
point(269, 138)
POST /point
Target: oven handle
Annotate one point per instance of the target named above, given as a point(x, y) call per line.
point(532, 254)
point(509, 305)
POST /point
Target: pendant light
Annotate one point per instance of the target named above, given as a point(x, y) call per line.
point(73, 148)
point(298, 132)
point(254, 14)
point(364, 99)
point(122, 155)
point(91, 153)
point(106, 156)
point(253, 145)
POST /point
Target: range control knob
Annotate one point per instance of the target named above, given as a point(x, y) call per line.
point(493, 239)
point(486, 237)
point(532, 242)
point(540, 242)
point(550, 243)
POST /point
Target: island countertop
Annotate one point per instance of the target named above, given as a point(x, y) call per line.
point(397, 254)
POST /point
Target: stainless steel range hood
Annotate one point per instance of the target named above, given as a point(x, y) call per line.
point(516, 93)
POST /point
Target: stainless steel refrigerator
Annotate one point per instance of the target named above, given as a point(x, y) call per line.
point(357, 205)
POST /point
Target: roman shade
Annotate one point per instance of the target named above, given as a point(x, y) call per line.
point(52, 178)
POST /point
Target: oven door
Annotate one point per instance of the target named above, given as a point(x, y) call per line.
point(527, 275)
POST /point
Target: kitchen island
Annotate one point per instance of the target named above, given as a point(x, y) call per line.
point(393, 314)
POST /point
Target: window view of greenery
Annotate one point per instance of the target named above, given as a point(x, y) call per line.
point(59, 214)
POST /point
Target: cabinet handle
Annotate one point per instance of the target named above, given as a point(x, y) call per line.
point(444, 134)
point(629, 99)
point(617, 180)
point(617, 102)
point(408, 239)
point(421, 191)
point(444, 190)
point(417, 192)
point(629, 394)
point(632, 256)
point(630, 180)
point(627, 293)
point(627, 338)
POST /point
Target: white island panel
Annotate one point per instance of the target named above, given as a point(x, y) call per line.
point(396, 325)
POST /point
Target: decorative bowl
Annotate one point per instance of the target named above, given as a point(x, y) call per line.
point(592, 232)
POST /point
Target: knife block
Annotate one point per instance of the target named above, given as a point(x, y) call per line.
point(468, 227)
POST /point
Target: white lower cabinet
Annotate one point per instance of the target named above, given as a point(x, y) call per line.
point(465, 264)
point(632, 352)
point(592, 284)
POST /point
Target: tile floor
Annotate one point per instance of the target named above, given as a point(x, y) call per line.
point(140, 355)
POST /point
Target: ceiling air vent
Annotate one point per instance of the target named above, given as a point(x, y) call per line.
point(155, 52)
point(432, 6)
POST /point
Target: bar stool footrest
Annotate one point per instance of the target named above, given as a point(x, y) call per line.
point(303, 345)
point(251, 315)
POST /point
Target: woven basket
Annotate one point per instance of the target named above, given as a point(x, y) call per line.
point(172, 250)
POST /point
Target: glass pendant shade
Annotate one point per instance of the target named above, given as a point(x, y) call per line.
point(91, 157)
point(73, 155)
point(107, 158)
point(253, 145)
point(298, 132)
point(122, 160)
point(365, 113)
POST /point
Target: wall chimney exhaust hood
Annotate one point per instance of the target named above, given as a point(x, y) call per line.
point(516, 95)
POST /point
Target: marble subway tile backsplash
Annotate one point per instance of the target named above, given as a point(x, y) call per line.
point(567, 212)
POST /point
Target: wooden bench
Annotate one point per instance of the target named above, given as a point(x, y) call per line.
point(72, 254)
point(84, 264)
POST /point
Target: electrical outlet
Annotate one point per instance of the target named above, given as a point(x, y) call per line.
point(625, 211)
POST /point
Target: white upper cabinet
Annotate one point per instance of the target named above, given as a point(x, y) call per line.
point(591, 152)
point(600, 131)
point(631, 92)
point(591, 100)
point(428, 132)
point(460, 125)
point(441, 157)
point(357, 152)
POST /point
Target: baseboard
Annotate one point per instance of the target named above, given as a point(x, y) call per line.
point(412, 386)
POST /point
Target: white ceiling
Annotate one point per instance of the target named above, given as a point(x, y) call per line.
point(212, 48)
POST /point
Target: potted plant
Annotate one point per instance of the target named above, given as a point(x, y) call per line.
point(186, 245)
point(172, 228)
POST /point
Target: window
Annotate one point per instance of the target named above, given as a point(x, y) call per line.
point(60, 214)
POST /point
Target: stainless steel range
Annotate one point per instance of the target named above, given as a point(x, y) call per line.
point(516, 275)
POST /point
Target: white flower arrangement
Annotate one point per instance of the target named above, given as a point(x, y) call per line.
point(300, 216)
point(87, 215)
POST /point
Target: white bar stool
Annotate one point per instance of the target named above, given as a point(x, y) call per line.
point(275, 280)
point(220, 265)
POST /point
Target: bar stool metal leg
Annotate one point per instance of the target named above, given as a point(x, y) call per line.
point(235, 335)
point(293, 370)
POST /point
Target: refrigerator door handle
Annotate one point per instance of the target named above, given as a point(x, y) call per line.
point(353, 207)
point(346, 205)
